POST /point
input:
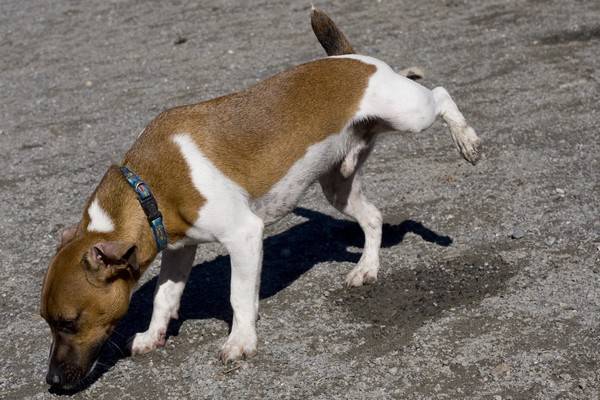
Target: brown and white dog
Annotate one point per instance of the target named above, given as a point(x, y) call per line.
point(221, 170)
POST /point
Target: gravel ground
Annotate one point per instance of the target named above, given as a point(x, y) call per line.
point(490, 274)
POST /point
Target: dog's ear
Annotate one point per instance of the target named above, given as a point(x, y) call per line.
point(414, 73)
point(110, 260)
point(66, 235)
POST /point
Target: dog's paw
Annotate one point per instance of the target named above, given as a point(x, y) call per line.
point(469, 145)
point(361, 275)
point(238, 348)
point(145, 342)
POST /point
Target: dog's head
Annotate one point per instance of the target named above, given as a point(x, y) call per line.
point(85, 293)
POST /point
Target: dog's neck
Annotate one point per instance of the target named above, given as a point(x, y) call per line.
point(114, 212)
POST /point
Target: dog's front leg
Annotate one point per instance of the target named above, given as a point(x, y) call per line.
point(244, 245)
point(174, 272)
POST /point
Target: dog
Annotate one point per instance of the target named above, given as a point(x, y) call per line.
point(221, 170)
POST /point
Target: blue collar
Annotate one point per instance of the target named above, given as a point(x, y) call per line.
point(150, 207)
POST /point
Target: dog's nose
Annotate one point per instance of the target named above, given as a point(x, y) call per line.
point(53, 378)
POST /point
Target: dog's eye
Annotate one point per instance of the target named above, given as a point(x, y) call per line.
point(67, 326)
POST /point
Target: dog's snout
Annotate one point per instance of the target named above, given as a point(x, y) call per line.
point(54, 377)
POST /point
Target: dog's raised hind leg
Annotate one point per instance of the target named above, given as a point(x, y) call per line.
point(464, 137)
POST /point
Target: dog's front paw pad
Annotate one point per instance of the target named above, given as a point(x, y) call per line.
point(360, 276)
point(145, 342)
point(237, 349)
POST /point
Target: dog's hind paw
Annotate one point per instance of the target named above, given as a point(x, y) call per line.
point(145, 342)
point(469, 145)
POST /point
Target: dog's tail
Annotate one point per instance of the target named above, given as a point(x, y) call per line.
point(335, 42)
point(329, 35)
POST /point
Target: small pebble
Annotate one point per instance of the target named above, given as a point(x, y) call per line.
point(517, 233)
point(501, 369)
point(566, 307)
point(88, 83)
point(565, 377)
point(550, 240)
point(560, 191)
point(180, 40)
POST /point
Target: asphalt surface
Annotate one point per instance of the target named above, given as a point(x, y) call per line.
point(489, 286)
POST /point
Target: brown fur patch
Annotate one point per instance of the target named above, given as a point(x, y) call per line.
point(256, 135)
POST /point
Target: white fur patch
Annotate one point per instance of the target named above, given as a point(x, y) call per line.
point(100, 221)
point(402, 102)
point(225, 200)
point(227, 218)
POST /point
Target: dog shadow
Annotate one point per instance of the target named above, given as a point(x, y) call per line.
point(287, 256)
